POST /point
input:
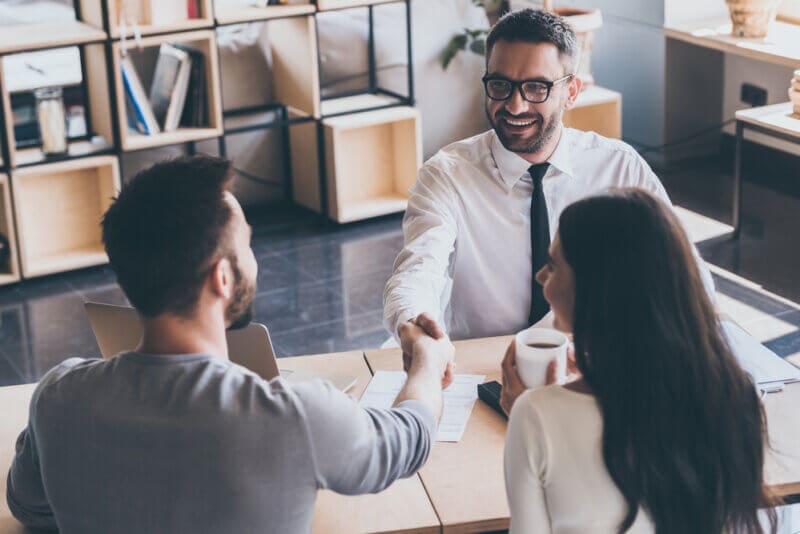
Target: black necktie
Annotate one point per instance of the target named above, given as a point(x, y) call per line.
point(540, 241)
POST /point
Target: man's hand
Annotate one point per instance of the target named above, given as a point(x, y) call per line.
point(421, 351)
point(512, 383)
point(429, 327)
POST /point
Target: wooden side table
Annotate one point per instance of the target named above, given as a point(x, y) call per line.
point(776, 121)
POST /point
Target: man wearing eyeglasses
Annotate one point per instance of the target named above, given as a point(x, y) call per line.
point(483, 210)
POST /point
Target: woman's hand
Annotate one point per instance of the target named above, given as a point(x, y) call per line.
point(512, 383)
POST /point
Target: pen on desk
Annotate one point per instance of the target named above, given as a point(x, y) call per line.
point(771, 388)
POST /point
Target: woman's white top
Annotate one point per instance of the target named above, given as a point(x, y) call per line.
point(556, 478)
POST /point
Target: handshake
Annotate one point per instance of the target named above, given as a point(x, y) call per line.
point(427, 350)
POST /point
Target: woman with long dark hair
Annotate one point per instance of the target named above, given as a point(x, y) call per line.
point(664, 432)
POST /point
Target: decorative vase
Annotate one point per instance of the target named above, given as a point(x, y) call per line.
point(751, 18)
point(584, 22)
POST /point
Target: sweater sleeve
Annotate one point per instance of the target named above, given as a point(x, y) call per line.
point(25, 492)
point(363, 450)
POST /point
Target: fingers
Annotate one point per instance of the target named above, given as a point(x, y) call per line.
point(509, 368)
point(449, 374)
point(551, 376)
point(431, 327)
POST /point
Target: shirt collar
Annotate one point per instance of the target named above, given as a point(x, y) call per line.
point(512, 166)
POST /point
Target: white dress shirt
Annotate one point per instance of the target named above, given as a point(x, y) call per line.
point(557, 481)
point(467, 253)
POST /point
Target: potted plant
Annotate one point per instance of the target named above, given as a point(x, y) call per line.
point(583, 21)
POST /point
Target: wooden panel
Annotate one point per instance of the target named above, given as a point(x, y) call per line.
point(780, 47)
point(7, 228)
point(141, 13)
point(15, 401)
point(598, 110)
point(99, 91)
point(27, 37)
point(355, 103)
point(234, 14)
point(372, 159)
point(92, 12)
point(295, 66)
point(465, 479)
point(203, 41)
point(11, 140)
point(327, 5)
point(305, 165)
point(58, 211)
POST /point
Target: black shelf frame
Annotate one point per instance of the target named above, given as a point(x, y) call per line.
point(282, 118)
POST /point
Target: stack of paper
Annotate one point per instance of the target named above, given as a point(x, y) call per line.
point(459, 398)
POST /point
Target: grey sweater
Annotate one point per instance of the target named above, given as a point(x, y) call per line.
point(192, 443)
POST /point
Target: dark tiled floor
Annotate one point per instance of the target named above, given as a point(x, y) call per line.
point(320, 287)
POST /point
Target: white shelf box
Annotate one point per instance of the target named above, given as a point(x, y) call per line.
point(371, 160)
point(97, 87)
point(59, 207)
point(203, 41)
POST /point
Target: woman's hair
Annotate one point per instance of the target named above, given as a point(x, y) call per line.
point(684, 431)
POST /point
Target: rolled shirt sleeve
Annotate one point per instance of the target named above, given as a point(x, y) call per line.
point(421, 270)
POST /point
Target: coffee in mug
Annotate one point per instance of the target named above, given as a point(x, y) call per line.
point(536, 348)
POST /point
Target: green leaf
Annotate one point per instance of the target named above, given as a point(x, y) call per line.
point(478, 46)
point(458, 42)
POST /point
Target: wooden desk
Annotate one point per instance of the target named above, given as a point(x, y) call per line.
point(403, 507)
point(777, 121)
point(779, 46)
point(465, 479)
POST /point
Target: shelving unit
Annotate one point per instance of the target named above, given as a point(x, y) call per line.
point(362, 148)
point(7, 228)
point(242, 13)
point(69, 237)
point(372, 160)
point(205, 42)
point(106, 13)
point(99, 113)
point(597, 109)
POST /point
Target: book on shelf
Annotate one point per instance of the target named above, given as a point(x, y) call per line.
point(170, 85)
point(195, 112)
point(142, 111)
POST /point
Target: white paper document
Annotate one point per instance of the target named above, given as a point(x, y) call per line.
point(459, 398)
point(762, 364)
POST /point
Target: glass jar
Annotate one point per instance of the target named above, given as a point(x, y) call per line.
point(52, 119)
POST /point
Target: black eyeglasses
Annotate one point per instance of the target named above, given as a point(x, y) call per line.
point(534, 91)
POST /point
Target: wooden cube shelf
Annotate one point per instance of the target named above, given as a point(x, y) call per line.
point(236, 13)
point(99, 110)
point(598, 110)
point(8, 274)
point(141, 13)
point(329, 5)
point(29, 37)
point(371, 159)
point(295, 64)
point(58, 209)
point(203, 41)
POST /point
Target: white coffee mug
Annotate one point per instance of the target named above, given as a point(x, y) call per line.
point(536, 348)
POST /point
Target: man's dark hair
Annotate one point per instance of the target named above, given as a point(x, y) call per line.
point(537, 26)
point(165, 230)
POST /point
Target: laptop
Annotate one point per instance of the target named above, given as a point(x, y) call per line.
point(118, 329)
